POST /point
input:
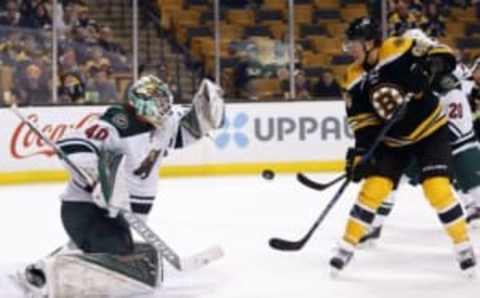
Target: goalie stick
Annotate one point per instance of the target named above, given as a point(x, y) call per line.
point(182, 264)
point(287, 245)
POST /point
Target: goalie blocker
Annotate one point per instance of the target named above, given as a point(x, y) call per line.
point(75, 274)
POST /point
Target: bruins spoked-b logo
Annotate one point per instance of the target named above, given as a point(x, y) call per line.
point(385, 98)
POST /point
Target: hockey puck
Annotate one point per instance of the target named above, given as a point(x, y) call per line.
point(268, 174)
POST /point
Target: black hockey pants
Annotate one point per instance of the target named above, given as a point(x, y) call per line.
point(90, 228)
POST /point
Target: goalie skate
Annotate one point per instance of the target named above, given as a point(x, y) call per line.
point(31, 282)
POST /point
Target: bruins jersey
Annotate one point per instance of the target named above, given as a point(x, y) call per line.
point(401, 62)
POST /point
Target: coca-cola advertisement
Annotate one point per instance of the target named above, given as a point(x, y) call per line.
point(25, 148)
point(25, 143)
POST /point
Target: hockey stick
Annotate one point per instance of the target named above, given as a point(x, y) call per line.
point(304, 180)
point(287, 245)
point(194, 262)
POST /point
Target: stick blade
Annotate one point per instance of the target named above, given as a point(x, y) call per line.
point(202, 259)
point(309, 183)
point(285, 245)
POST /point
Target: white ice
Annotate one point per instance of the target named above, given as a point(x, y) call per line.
point(413, 258)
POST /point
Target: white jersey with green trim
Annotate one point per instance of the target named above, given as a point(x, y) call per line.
point(141, 145)
point(460, 120)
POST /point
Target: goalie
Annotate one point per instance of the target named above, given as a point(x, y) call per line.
point(386, 75)
point(122, 152)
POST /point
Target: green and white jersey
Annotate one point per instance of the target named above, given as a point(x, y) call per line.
point(119, 132)
point(460, 119)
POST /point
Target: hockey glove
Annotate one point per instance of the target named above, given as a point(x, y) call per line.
point(355, 168)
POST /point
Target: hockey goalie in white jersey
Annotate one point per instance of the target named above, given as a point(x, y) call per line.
point(123, 151)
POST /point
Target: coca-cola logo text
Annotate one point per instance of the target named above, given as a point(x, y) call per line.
point(26, 143)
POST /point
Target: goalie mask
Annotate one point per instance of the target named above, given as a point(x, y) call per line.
point(151, 99)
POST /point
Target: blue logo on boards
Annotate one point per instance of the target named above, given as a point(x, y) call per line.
point(232, 132)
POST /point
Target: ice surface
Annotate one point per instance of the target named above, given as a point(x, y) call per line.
point(413, 259)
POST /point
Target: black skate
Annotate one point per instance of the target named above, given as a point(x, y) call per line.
point(466, 259)
point(343, 255)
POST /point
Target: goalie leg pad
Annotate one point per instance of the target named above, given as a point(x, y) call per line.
point(93, 275)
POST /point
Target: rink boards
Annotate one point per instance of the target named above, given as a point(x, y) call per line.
point(285, 137)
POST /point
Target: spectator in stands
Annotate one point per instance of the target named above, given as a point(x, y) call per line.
point(27, 7)
point(105, 41)
point(84, 19)
point(435, 25)
point(71, 89)
point(302, 85)
point(68, 61)
point(12, 16)
point(113, 50)
point(68, 20)
point(246, 71)
point(32, 90)
point(327, 86)
point(42, 60)
point(82, 42)
point(165, 75)
point(40, 18)
point(10, 48)
point(402, 19)
point(97, 57)
point(101, 86)
point(283, 77)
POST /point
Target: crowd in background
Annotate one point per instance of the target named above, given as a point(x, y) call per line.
point(89, 57)
point(428, 15)
point(87, 53)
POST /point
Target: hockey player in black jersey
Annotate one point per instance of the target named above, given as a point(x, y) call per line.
point(385, 75)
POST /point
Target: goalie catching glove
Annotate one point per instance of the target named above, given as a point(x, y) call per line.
point(209, 106)
point(208, 110)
